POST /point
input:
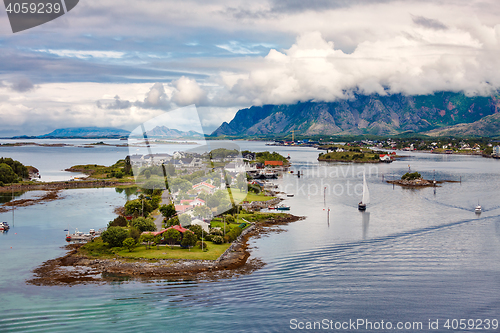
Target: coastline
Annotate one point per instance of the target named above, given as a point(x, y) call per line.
point(74, 268)
point(63, 185)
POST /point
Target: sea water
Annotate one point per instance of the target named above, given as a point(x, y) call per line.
point(415, 256)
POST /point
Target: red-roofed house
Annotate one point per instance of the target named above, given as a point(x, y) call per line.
point(194, 203)
point(273, 163)
point(204, 187)
point(182, 208)
point(176, 227)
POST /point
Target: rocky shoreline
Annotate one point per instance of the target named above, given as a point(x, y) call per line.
point(420, 182)
point(63, 185)
point(74, 268)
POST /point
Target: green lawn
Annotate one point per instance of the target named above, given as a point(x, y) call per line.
point(165, 252)
point(238, 195)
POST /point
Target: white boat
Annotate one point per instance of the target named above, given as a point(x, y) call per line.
point(478, 209)
point(366, 195)
point(4, 226)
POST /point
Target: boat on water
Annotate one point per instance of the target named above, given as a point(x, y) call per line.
point(80, 236)
point(366, 196)
point(4, 226)
point(289, 195)
point(282, 207)
point(478, 209)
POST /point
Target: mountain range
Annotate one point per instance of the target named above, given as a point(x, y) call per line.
point(171, 133)
point(437, 114)
point(81, 132)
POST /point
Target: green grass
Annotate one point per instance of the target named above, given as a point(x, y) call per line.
point(165, 252)
point(349, 156)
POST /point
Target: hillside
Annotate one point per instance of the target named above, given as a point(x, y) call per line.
point(86, 132)
point(488, 126)
point(376, 115)
point(170, 133)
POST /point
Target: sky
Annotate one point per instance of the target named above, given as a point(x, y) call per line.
point(121, 63)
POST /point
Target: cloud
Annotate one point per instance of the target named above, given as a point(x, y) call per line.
point(22, 84)
point(118, 104)
point(156, 98)
point(188, 92)
point(428, 23)
point(421, 61)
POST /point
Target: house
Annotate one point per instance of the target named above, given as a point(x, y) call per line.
point(193, 203)
point(249, 156)
point(202, 224)
point(176, 227)
point(496, 151)
point(385, 158)
point(273, 163)
point(204, 187)
point(182, 208)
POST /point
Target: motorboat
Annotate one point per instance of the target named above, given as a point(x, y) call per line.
point(4, 226)
point(283, 207)
point(478, 209)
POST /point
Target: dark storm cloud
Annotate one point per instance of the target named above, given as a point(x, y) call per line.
point(428, 23)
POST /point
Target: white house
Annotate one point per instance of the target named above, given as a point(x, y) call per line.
point(202, 224)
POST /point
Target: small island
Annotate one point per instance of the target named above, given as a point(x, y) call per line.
point(353, 154)
point(194, 222)
point(415, 180)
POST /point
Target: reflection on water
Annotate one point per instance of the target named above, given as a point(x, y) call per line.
point(9, 196)
point(365, 222)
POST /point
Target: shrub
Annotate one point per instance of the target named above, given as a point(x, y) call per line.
point(199, 245)
point(216, 232)
point(217, 239)
point(114, 236)
point(96, 248)
point(232, 235)
point(129, 243)
point(411, 176)
point(188, 239)
point(229, 218)
point(135, 234)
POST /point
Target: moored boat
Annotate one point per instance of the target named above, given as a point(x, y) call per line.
point(4, 226)
point(478, 209)
point(283, 207)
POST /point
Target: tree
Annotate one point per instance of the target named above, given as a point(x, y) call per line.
point(114, 236)
point(212, 201)
point(179, 184)
point(185, 219)
point(157, 240)
point(119, 221)
point(7, 175)
point(170, 169)
point(202, 211)
point(168, 211)
point(147, 174)
point(198, 231)
point(147, 238)
point(134, 233)
point(189, 239)
point(172, 236)
point(135, 207)
point(241, 182)
point(129, 243)
point(143, 224)
point(173, 221)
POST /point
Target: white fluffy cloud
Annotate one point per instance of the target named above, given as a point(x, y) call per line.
point(420, 61)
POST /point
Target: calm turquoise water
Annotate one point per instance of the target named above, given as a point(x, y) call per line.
point(414, 255)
